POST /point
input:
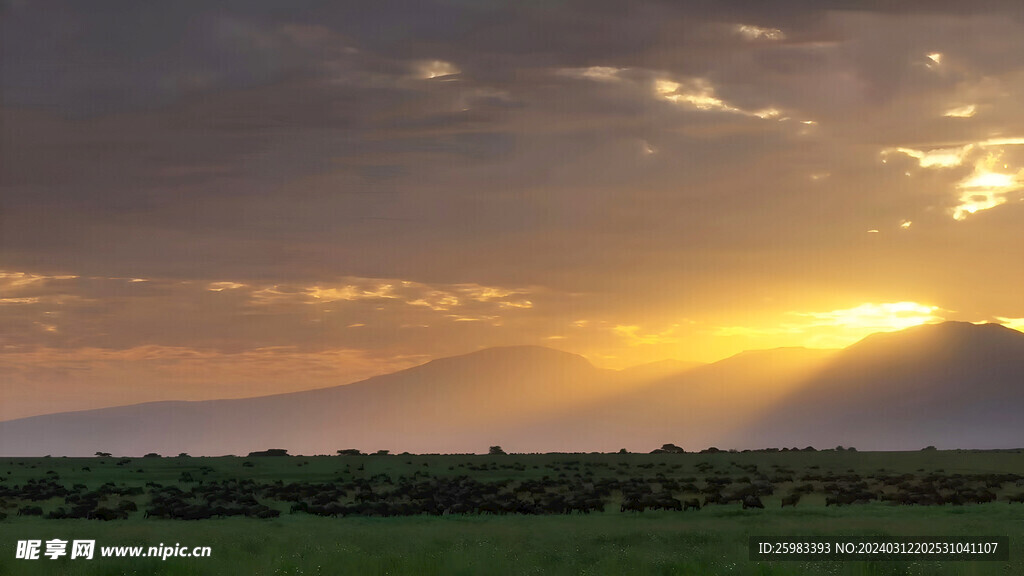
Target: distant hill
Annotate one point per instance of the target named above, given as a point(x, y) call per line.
point(694, 409)
point(949, 385)
point(452, 404)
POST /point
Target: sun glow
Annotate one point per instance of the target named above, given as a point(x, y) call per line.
point(878, 317)
point(834, 328)
point(1012, 323)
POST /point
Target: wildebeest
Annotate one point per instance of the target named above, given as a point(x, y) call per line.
point(108, 514)
point(692, 503)
point(752, 502)
point(791, 500)
point(714, 498)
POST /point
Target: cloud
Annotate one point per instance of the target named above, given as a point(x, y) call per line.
point(598, 73)
point(269, 172)
point(938, 158)
point(837, 328)
point(220, 286)
point(876, 317)
point(633, 337)
point(986, 187)
point(66, 339)
point(45, 380)
point(31, 300)
point(965, 111)
point(70, 310)
point(350, 292)
point(699, 94)
point(432, 69)
point(750, 32)
point(12, 281)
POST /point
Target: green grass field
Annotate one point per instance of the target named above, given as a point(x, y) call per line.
point(712, 540)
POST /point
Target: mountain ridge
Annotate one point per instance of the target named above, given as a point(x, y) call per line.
point(927, 385)
point(955, 385)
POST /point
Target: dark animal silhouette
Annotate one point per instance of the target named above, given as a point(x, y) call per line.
point(752, 502)
point(714, 498)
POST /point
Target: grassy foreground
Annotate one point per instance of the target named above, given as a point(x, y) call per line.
point(710, 541)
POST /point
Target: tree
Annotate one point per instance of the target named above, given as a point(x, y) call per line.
point(496, 450)
point(103, 454)
point(349, 452)
point(269, 452)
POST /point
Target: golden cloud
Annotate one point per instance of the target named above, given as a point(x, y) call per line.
point(749, 32)
point(699, 94)
point(986, 187)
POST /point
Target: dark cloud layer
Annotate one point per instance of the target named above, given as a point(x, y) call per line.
point(658, 165)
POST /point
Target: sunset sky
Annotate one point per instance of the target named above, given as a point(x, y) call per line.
point(208, 199)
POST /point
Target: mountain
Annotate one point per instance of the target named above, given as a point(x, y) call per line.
point(523, 398)
point(951, 385)
point(694, 409)
point(452, 404)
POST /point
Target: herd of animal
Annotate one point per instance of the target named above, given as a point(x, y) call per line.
point(564, 487)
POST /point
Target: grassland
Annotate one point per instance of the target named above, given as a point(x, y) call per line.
point(712, 540)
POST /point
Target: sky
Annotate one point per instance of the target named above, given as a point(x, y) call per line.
point(224, 199)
